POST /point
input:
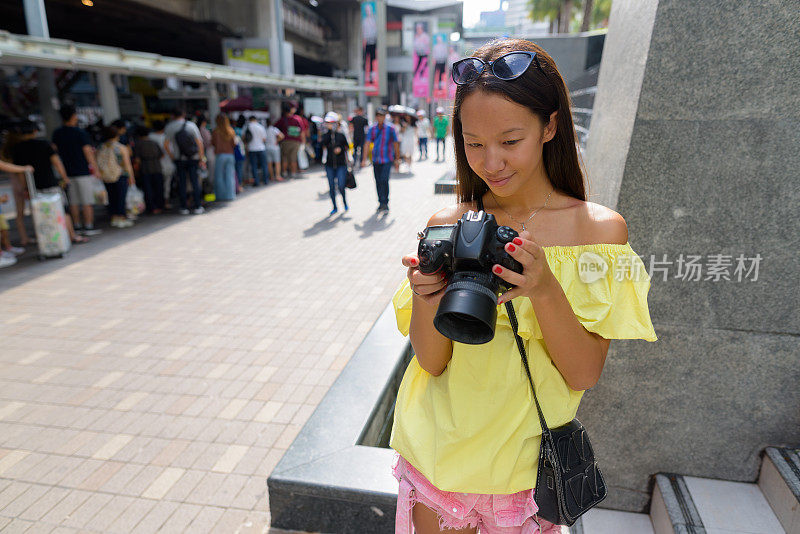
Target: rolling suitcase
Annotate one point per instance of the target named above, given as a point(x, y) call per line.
point(49, 222)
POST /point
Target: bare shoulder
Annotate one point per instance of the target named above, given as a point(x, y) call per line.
point(451, 214)
point(600, 224)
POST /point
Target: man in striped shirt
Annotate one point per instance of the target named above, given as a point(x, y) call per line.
point(385, 149)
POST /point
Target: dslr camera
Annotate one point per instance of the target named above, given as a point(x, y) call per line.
point(466, 252)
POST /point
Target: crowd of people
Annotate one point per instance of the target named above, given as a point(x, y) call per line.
point(184, 162)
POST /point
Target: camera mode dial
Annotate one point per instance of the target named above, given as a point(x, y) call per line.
point(506, 234)
point(425, 254)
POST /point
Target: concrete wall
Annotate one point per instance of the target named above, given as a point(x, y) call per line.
point(695, 142)
point(570, 52)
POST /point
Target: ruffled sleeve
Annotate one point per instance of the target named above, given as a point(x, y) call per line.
point(607, 286)
point(402, 306)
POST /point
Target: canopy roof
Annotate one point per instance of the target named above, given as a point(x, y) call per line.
point(58, 53)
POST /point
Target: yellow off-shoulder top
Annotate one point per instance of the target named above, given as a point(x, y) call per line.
point(474, 428)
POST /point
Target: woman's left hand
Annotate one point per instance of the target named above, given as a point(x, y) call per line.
point(536, 274)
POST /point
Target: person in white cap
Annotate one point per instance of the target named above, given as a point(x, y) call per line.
point(440, 126)
point(423, 131)
point(335, 143)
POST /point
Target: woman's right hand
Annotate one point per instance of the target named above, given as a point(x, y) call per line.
point(427, 287)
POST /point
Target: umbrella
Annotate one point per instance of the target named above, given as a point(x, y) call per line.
point(240, 103)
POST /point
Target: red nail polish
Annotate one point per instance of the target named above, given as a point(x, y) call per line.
point(511, 248)
point(517, 241)
point(497, 269)
point(413, 263)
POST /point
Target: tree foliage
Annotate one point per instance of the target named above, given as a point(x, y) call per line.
point(560, 13)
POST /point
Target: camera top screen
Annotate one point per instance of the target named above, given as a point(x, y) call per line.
point(439, 232)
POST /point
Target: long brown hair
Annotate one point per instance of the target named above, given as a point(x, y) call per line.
point(223, 128)
point(542, 93)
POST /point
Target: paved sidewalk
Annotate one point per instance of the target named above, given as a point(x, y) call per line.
point(153, 379)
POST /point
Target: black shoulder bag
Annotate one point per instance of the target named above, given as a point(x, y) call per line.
point(568, 482)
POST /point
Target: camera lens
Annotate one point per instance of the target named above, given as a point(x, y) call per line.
point(468, 310)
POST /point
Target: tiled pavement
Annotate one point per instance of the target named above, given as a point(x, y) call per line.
point(153, 379)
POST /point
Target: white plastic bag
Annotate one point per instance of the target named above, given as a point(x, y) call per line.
point(134, 201)
point(302, 158)
point(99, 191)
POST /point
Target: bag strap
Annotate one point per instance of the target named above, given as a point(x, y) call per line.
point(512, 317)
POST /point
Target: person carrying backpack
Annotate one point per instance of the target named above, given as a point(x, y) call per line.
point(116, 171)
point(184, 145)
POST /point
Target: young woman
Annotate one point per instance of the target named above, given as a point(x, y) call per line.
point(274, 137)
point(112, 150)
point(336, 159)
point(223, 139)
point(408, 140)
point(466, 429)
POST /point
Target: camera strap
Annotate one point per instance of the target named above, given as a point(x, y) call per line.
point(512, 318)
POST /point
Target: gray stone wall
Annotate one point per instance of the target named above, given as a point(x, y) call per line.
point(695, 140)
point(568, 51)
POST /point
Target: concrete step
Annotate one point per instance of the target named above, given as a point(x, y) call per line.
point(692, 505)
point(601, 521)
point(779, 481)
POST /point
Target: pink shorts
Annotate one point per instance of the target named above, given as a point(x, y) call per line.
point(491, 514)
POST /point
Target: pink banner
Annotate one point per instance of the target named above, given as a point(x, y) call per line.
point(451, 85)
point(369, 30)
point(420, 83)
point(440, 72)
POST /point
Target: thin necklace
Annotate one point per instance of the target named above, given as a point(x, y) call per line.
point(532, 214)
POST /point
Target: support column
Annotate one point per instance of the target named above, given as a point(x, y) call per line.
point(108, 97)
point(274, 109)
point(213, 102)
point(700, 157)
point(36, 21)
point(269, 25)
point(355, 50)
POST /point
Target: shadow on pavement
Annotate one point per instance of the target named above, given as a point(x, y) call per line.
point(378, 222)
point(327, 223)
point(29, 267)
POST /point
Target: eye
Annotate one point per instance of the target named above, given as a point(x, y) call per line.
point(474, 145)
point(512, 141)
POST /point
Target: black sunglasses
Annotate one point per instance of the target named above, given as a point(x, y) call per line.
point(506, 67)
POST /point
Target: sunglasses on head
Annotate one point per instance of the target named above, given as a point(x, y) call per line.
point(507, 67)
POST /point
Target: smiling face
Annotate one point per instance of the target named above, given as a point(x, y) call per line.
point(503, 142)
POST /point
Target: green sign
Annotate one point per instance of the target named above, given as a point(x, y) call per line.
point(255, 56)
